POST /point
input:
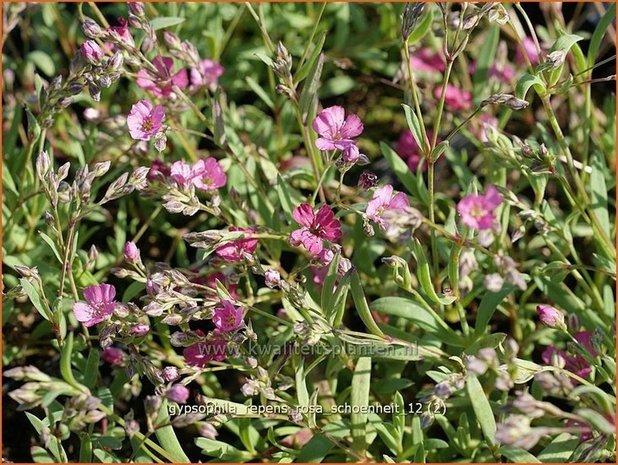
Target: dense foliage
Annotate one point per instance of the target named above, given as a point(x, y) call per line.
point(308, 232)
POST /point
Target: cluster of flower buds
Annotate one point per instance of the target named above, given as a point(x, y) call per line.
point(282, 66)
point(507, 273)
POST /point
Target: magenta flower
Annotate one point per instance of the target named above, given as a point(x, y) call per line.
point(530, 50)
point(335, 130)
point(316, 226)
point(234, 251)
point(178, 393)
point(99, 307)
point(477, 211)
point(121, 32)
point(158, 170)
point(427, 61)
point(550, 316)
point(319, 272)
point(384, 200)
point(456, 99)
point(206, 74)
point(91, 52)
point(113, 356)
point(227, 317)
point(407, 148)
point(161, 84)
point(207, 175)
point(144, 120)
point(200, 354)
point(131, 252)
point(574, 363)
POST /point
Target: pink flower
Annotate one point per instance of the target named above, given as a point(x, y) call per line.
point(99, 307)
point(427, 61)
point(178, 393)
point(319, 272)
point(181, 172)
point(207, 175)
point(316, 227)
point(574, 363)
point(456, 99)
point(131, 252)
point(91, 52)
point(408, 149)
point(227, 317)
point(336, 131)
point(162, 83)
point(200, 354)
point(530, 50)
point(121, 32)
point(234, 251)
point(384, 200)
point(144, 121)
point(477, 211)
point(550, 316)
point(207, 74)
point(113, 356)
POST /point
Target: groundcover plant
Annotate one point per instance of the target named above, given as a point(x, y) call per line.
point(308, 232)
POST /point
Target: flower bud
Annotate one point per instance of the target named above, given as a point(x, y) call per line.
point(139, 329)
point(178, 393)
point(551, 316)
point(136, 8)
point(91, 52)
point(131, 252)
point(91, 29)
point(367, 180)
point(43, 164)
point(272, 278)
point(169, 374)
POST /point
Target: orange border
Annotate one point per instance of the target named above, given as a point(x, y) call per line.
point(281, 1)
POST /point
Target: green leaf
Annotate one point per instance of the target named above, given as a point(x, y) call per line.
point(420, 315)
point(91, 371)
point(40, 455)
point(491, 340)
point(48, 240)
point(422, 28)
point(65, 363)
point(482, 409)
point(306, 68)
point(599, 34)
point(414, 124)
point(560, 449)
point(423, 274)
point(486, 57)
point(221, 450)
point(167, 437)
point(361, 381)
point(487, 307)
point(598, 189)
point(260, 92)
point(518, 455)
point(315, 450)
point(361, 305)
point(565, 42)
point(525, 82)
point(34, 297)
point(164, 22)
point(42, 61)
point(310, 88)
point(400, 168)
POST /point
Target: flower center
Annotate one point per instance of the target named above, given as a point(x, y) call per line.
point(148, 124)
